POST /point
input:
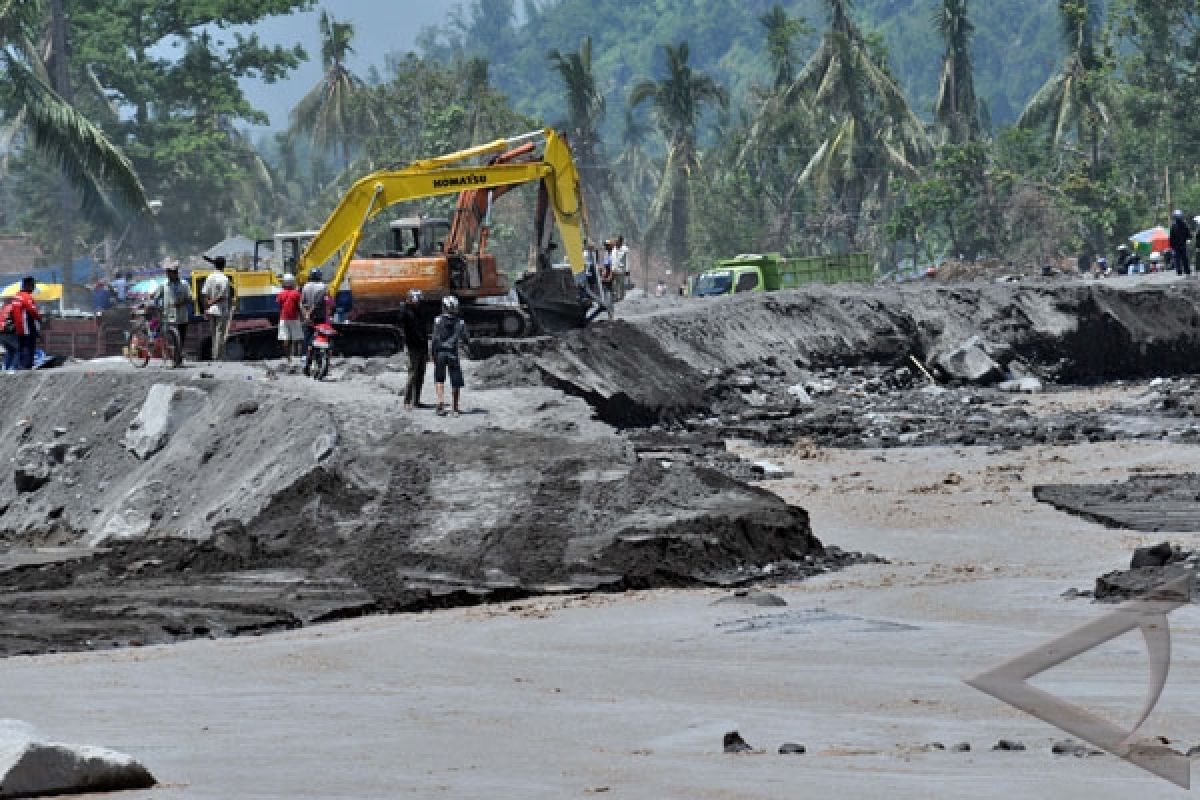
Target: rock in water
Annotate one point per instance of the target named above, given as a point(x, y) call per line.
point(791, 748)
point(33, 767)
point(734, 743)
point(1157, 555)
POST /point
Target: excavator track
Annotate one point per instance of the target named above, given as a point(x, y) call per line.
point(353, 339)
point(496, 321)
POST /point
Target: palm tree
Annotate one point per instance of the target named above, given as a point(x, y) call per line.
point(782, 31)
point(1078, 101)
point(92, 165)
point(955, 108)
point(585, 112)
point(678, 101)
point(781, 129)
point(872, 133)
point(332, 112)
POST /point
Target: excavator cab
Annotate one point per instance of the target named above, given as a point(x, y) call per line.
point(414, 237)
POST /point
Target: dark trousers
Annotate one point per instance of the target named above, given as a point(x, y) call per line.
point(416, 375)
point(25, 346)
point(1181, 261)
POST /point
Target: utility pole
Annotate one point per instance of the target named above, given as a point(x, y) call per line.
point(62, 84)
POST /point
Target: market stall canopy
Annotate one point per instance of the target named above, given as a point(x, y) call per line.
point(1154, 240)
point(45, 292)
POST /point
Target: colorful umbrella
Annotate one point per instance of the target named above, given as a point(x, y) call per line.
point(145, 287)
point(44, 292)
point(1154, 240)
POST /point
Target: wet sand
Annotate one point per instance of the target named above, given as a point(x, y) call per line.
point(629, 695)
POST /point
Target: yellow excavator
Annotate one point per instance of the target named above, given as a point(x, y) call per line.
point(443, 256)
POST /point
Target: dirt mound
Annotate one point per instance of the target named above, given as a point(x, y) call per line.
point(270, 504)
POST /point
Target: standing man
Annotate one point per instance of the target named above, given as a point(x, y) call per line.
point(217, 294)
point(174, 297)
point(621, 267)
point(1180, 234)
point(27, 320)
point(416, 342)
point(291, 332)
point(449, 333)
point(315, 305)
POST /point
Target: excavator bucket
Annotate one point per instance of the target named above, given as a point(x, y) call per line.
point(553, 299)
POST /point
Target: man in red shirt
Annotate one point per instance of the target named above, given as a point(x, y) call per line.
point(291, 331)
point(28, 322)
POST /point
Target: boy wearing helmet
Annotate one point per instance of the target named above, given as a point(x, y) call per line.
point(291, 331)
point(416, 342)
point(449, 333)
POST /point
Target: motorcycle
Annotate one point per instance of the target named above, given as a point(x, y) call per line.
point(322, 346)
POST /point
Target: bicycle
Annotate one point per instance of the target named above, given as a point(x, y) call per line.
point(146, 338)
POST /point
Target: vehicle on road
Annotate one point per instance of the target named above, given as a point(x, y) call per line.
point(771, 272)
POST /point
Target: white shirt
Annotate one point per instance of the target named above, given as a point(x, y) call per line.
point(216, 290)
point(621, 258)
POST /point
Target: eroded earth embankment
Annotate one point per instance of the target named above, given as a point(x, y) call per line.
point(691, 359)
point(147, 506)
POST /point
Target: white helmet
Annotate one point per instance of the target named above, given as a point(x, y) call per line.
point(289, 279)
point(414, 295)
point(450, 304)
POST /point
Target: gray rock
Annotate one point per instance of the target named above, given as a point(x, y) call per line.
point(1070, 747)
point(166, 408)
point(1029, 385)
point(734, 743)
point(114, 407)
point(800, 395)
point(34, 467)
point(1008, 744)
point(323, 446)
point(969, 363)
point(32, 767)
point(961, 747)
point(245, 407)
point(788, 748)
point(749, 598)
point(1157, 555)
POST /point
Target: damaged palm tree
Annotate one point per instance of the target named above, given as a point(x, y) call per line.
point(956, 108)
point(678, 100)
point(872, 134)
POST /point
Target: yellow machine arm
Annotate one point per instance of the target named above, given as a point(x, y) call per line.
point(446, 175)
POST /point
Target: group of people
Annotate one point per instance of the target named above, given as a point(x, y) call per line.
point(300, 312)
point(604, 277)
point(449, 337)
point(1179, 237)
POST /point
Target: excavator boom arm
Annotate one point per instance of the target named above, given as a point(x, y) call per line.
point(444, 175)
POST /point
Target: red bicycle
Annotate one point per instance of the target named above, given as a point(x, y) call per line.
point(148, 338)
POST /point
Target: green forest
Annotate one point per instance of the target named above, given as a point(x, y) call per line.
point(1016, 129)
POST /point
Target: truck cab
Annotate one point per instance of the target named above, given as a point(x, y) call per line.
point(744, 273)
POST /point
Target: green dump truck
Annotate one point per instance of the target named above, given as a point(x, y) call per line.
point(770, 272)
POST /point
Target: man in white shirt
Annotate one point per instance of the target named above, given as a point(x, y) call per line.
point(620, 267)
point(217, 296)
